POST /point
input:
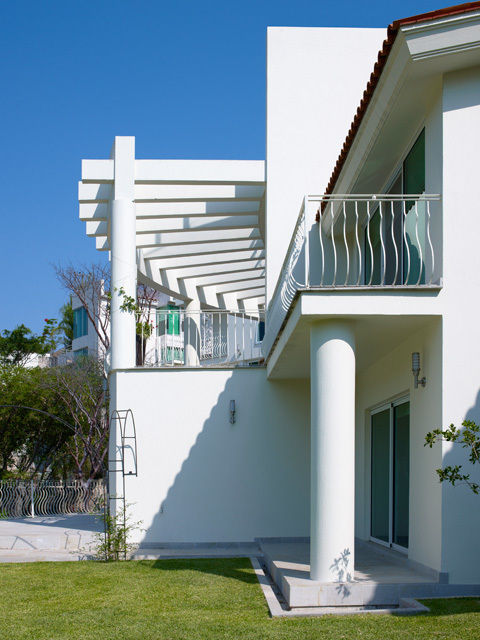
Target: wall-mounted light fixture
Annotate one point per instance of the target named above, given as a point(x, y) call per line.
point(232, 411)
point(416, 371)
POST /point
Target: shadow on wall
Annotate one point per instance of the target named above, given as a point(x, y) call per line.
point(235, 481)
point(461, 513)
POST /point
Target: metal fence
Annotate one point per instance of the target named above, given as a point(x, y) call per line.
point(20, 498)
point(205, 338)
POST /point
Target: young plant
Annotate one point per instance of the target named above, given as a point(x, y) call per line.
point(469, 438)
point(113, 544)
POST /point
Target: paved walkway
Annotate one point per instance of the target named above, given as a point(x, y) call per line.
point(65, 537)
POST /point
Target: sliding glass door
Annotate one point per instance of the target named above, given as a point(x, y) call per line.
point(390, 473)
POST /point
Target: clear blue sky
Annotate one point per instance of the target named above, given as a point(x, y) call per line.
point(187, 78)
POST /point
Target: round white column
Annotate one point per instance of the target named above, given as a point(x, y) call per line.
point(332, 380)
point(124, 276)
point(192, 334)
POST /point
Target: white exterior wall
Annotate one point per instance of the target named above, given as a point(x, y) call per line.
point(315, 80)
point(202, 479)
point(461, 334)
point(386, 380)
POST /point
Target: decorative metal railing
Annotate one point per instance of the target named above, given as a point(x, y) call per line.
point(205, 338)
point(359, 241)
point(20, 498)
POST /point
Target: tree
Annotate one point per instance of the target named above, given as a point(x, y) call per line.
point(18, 346)
point(31, 442)
point(66, 324)
point(469, 438)
point(79, 388)
point(91, 285)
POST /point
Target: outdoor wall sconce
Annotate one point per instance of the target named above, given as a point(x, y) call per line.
point(416, 371)
point(232, 411)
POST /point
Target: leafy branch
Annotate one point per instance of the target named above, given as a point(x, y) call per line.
point(469, 438)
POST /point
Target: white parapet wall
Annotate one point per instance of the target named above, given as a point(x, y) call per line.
point(202, 478)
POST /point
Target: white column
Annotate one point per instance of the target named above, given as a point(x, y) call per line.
point(332, 380)
point(192, 334)
point(123, 254)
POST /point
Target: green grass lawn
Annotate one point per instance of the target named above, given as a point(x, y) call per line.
point(186, 599)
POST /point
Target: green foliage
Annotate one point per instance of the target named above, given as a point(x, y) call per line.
point(66, 325)
point(469, 438)
point(18, 345)
point(31, 441)
point(113, 544)
point(143, 327)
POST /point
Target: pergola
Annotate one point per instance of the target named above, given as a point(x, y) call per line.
point(193, 229)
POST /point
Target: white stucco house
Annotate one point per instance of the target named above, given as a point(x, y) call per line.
point(360, 251)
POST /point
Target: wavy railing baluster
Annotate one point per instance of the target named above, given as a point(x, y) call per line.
point(432, 266)
point(419, 245)
point(358, 245)
point(369, 244)
point(333, 247)
point(347, 251)
point(383, 265)
point(405, 240)
point(392, 231)
point(322, 252)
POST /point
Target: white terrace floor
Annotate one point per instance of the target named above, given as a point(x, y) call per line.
point(382, 578)
point(62, 537)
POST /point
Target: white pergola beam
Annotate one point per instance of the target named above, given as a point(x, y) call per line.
point(187, 223)
point(94, 211)
point(174, 251)
point(251, 293)
point(179, 262)
point(196, 208)
point(224, 278)
point(154, 193)
point(94, 192)
point(207, 171)
point(242, 285)
point(205, 192)
point(219, 268)
point(180, 225)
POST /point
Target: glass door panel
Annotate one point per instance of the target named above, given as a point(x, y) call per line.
point(401, 473)
point(390, 474)
point(380, 511)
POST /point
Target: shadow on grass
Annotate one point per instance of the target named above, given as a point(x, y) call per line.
point(234, 568)
point(451, 606)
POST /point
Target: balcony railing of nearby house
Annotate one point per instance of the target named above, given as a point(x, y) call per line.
point(361, 242)
point(204, 339)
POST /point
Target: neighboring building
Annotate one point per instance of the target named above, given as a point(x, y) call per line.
point(325, 436)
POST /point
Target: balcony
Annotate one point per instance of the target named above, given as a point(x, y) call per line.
point(204, 339)
point(358, 242)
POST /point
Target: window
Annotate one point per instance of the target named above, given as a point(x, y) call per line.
point(260, 330)
point(80, 353)
point(168, 321)
point(401, 230)
point(80, 322)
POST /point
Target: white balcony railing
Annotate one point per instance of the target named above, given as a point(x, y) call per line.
point(358, 241)
point(205, 338)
